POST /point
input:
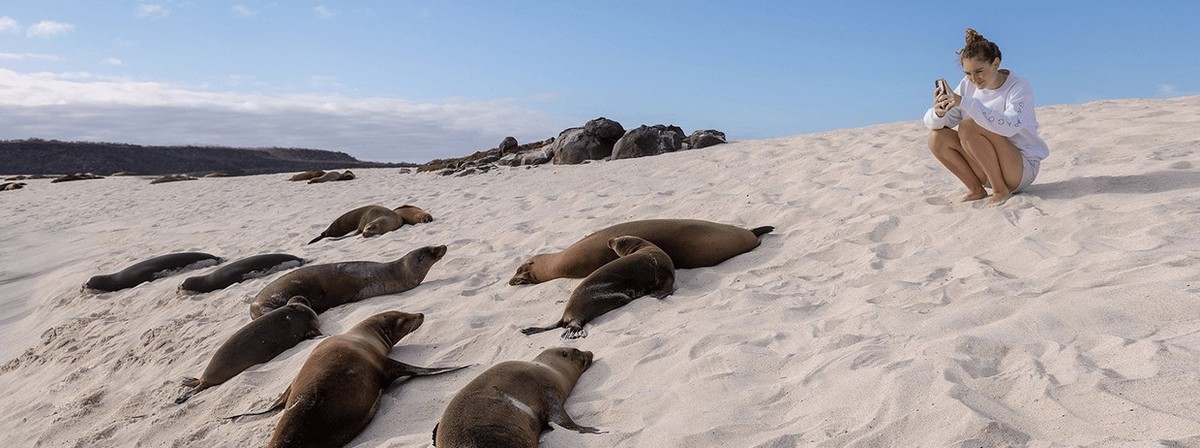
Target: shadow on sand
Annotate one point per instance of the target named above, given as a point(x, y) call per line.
point(1154, 182)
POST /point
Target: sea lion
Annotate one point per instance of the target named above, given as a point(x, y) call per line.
point(373, 220)
point(9, 186)
point(330, 285)
point(508, 405)
point(336, 393)
point(259, 341)
point(151, 269)
point(327, 177)
point(76, 176)
point(238, 271)
point(310, 174)
point(172, 178)
point(691, 243)
point(412, 214)
point(643, 269)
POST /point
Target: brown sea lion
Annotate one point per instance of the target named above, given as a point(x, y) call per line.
point(508, 405)
point(310, 174)
point(691, 243)
point(412, 214)
point(643, 269)
point(259, 341)
point(76, 176)
point(372, 220)
point(329, 285)
point(9, 186)
point(337, 391)
point(327, 177)
point(151, 269)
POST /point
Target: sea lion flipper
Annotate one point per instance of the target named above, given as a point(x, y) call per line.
point(574, 331)
point(318, 238)
point(536, 330)
point(760, 231)
point(396, 369)
point(559, 416)
point(277, 405)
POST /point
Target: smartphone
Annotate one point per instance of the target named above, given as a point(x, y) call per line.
point(941, 87)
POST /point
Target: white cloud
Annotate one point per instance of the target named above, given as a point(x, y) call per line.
point(27, 56)
point(112, 61)
point(243, 11)
point(324, 12)
point(80, 106)
point(9, 25)
point(48, 28)
point(1166, 89)
point(151, 11)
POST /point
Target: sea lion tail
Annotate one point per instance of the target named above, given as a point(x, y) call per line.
point(760, 231)
point(318, 238)
point(536, 330)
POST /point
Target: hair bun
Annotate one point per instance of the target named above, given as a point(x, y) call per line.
point(974, 36)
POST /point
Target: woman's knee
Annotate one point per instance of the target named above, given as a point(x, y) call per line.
point(968, 127)
point(941, 139)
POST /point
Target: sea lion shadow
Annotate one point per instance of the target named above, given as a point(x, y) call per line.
point(1145, 183)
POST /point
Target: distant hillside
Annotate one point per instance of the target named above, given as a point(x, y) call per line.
point(36, 156)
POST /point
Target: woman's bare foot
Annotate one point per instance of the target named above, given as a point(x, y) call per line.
point(998, 198)
point(973, 196)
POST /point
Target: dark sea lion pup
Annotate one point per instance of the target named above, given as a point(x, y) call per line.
point(259, 341)
point(336, 393)
point(508, 405)
point(330, 285)
point(238, 271)
point(691, 243)
point(151, 269)
point(643, 269)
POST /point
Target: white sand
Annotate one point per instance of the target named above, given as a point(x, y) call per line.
point(877, 313)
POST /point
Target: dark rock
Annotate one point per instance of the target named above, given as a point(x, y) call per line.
point(648, 141)
point(508, 144)
point(605, 129)
point(706, 138)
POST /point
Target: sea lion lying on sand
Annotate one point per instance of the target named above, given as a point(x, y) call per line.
point(691, 243)
point(373, 220)
point(643, 269)
point(508, 405)
point(329, 285)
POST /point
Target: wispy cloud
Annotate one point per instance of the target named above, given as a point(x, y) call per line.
point(1166, 89)
point(81, 106)
point(244, 11)
point(323, 12)
point(112, 61)
point(27, 56)
point(151, 11)
point(47, 28)
point(9, 25)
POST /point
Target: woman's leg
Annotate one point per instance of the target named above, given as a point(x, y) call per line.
point(948, 149)
point(1000, 161)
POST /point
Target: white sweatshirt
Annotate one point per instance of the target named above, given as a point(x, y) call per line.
point(1007, 111)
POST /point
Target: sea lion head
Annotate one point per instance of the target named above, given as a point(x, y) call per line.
point(524, 275)
point(99, 283)
point(625, 245)
point(304, 307)
point(575, 359)
point(395, 325)
point(374, 228)
point(416, 264)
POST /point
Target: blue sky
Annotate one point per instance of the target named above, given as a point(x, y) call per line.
point(416, 80)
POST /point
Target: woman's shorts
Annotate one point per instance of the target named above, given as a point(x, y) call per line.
point(1028, 172)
